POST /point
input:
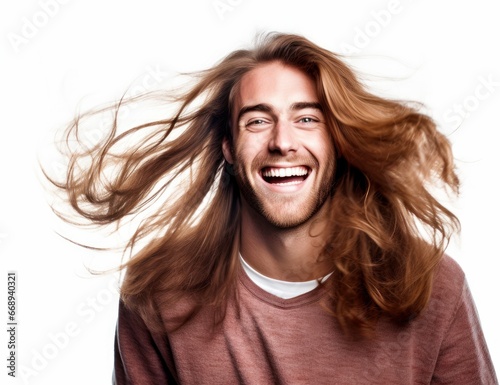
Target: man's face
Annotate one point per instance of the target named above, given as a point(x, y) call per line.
point(282, 153)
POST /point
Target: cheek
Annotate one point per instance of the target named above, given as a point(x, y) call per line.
point(321, 147)
point(242, 155)
point(249, 146)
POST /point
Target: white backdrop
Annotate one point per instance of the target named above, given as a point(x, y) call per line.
point(58, 56)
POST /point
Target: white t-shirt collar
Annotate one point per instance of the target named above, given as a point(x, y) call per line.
point(282, 289)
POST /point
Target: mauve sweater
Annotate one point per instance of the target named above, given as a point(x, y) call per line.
point(295, 341)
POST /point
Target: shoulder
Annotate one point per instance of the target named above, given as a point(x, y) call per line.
point(453, 322)
point(449, 279)
point(450, 267)
point(447, 295)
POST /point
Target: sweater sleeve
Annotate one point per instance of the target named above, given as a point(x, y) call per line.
point(464, 356)
point(138, 358)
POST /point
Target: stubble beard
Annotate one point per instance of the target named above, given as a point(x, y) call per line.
point(284, 212)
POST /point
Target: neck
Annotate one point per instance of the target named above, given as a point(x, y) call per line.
point(291, 254)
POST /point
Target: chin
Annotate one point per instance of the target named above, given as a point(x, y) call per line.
point(287, 219)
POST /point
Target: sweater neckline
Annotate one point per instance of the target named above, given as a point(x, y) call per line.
point(304, 299)
point(280, 288)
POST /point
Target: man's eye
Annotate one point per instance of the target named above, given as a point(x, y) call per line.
point(307, 119)
point(256, 122)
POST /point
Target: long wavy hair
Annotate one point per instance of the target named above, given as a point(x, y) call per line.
point(387, 231)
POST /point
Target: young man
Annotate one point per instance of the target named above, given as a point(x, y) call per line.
point(306, 247)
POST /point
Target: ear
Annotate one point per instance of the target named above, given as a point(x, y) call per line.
point(226, 150)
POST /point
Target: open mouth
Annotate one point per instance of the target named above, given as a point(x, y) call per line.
point(284, 176)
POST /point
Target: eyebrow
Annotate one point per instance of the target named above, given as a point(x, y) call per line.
point(303, 105)
point(262, 107)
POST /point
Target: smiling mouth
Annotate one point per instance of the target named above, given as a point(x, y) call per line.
point(283, 176)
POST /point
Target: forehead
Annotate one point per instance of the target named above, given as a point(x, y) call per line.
point(276, 84)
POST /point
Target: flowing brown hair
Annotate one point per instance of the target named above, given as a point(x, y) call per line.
point(387, 233)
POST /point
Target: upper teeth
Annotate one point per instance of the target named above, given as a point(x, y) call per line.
point(285, 171)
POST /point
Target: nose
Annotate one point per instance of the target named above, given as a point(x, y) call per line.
point(282, 138)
